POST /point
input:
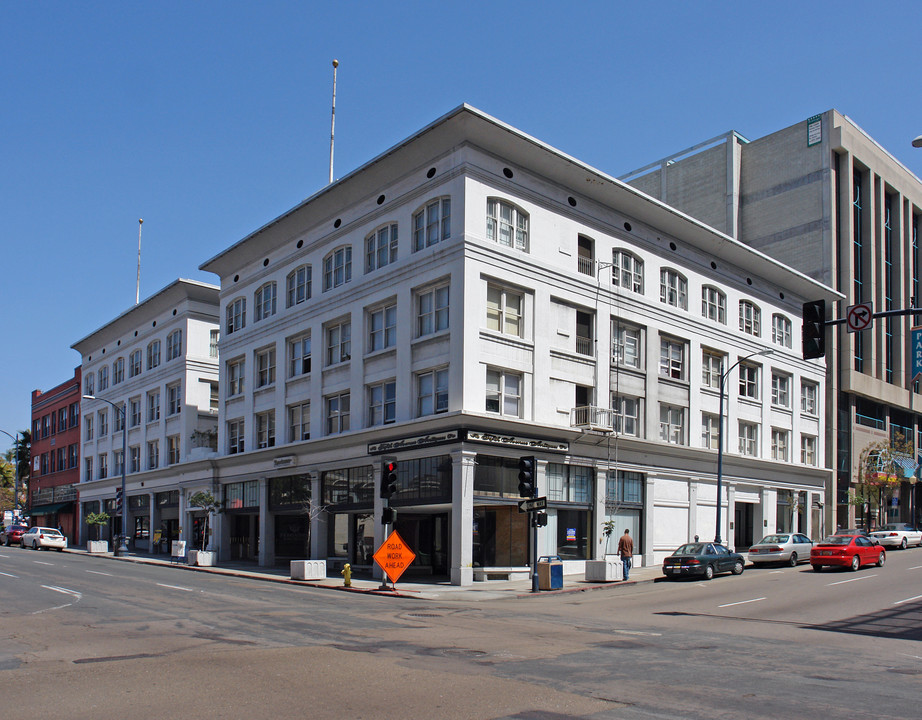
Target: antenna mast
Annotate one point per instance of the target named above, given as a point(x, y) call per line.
point(137, 294)
point(333, 118)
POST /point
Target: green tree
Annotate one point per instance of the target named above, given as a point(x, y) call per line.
point(880, 473)
point(207, 502)
point(97, 520)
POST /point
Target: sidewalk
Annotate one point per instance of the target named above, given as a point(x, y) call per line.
point(479, 591)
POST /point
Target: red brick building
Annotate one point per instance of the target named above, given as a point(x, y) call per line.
point(55, 471)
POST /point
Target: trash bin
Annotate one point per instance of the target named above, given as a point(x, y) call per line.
point(550, 572)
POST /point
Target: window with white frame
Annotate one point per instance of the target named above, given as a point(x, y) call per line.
point(134, 459)
point(117, 459)
point(236, 371)
point(118, 371)
point(382, 328)
point(103, 377)
point(298, 285)
point(153, 454)
point(118, 418)
point(299, 422)
point(432, 310)
point(626, 344)
point(174, 399)
point(235, 435)
point(781, 390)
point(88, 427)
point(337, 267)
point(103, 466)
point(153, 354)
point(265, 429)
point(712, 365)
point(172, 444)
point(236, 316)
point(808, 450)
point(299, 356)
point(672, 424)
point(153, 406)
point(780, 445)
point(625, 415)
point(749, 381)
point(88, 468)
point(89, 384)
point(507, 225)
point(808, 398)
point(750, 318)
point(569, 483)
point(713, 304)
point(781, 330)
point(504, 392)
point(504, 310)
point(264, 301)
point(749, 438)
point(710, 426)
point(431, 392)
point(214, 336)
point(174, 345)
point(338, 412)
point(339, 342)
point(382, 403)
point(432, 224)
point(672, 358)
point(103, 422)
point(673, 288)
point(265, 366)
point(381, 248)
point(134, 363)
point(627, 271)
point(134, 412)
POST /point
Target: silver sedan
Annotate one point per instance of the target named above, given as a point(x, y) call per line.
point(790, 548)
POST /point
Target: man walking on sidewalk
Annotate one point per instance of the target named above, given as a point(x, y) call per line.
point(626, 551)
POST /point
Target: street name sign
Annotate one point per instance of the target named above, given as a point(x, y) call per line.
point(533, 504)
point(394, 556)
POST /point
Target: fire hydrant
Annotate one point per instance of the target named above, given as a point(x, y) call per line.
point(347, 575)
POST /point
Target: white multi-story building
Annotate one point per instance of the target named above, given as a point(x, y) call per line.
point(157, 364)
point(473, 296)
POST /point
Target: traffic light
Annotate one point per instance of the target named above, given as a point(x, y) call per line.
point(388, 478)
point(527, 486)
point(539, 519)
point(118, 500)
point(388, 516)
point(814, 329)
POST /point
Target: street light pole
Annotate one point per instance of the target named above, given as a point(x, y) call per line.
point(122, 547)
point(720, 432)
point(16, 474)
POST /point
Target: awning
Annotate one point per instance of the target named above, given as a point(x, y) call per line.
point(50, 509)
point(907, 464)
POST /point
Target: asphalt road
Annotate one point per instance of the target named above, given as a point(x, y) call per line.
point(83, 637)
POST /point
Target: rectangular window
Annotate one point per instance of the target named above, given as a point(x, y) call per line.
point(265, 367)
point(119, 419)
point(299, 422)
point(431, 392)
point(103, 419)
point(504, 311)
point(103, 377)
point(780, 443)
point(234, 437)
point(709, 428)
point(134, 412)
point(781, 390)
point(569, 483)
point(504, 392)
point(174, 345)
point(173, 449)
point(265, 429)
point(174, 399)
point(382, 328)
point(626, 345)
point(88, 427)
point(808, 398)
point(672, 424)
point(72, 456)
point(153, 454)
point(103, 466)
point(625, 415)
point(153, 406)
point(134, 459)
point(117, 461)
point(214, 337)
point(236, 370)
point(73, 413)
point(672, 359)
point(87, 469)
point(339, 343)
point(89, 384)
point(382, 403)
point(432, 310)
point(749, 381)
point(299, 356)
point(808, 449)
point(338, 413)
point(749, 439)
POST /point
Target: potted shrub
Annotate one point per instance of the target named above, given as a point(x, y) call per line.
point(95, 521)
point(207, 502)
point(610, 568)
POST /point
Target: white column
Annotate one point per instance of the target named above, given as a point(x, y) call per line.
point(648, 519)
point(692, 510)
point(463, 464)
point(601, 478)
point(730, 522)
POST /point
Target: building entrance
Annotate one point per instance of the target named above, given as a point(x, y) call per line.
point(244, 536)
point(427, 536)
point(743, 527)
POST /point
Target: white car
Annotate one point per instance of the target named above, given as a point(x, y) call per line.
point(790, 548)
point(44, 538)
point(898, 535)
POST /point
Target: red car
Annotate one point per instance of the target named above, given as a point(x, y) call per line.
point(12, 535)
point(851, 551)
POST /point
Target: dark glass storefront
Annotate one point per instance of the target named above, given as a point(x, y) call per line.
point(290, 502)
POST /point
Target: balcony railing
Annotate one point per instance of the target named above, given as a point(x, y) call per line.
point(585, 265)
point(589, 417)
point(583, 345)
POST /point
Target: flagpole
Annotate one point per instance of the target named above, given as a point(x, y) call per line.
point(333, 118)
point(137, 294)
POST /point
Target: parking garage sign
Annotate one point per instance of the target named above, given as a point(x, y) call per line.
point(916, 353)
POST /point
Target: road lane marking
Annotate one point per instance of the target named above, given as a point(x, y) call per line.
point(8, 575)
point(39, 562)
point(637, 632)
point(841, 582)
point(917, 567)
point(900, 602)
point(72, 593)
point(175, 587)
point(776, 572)
point(96, 572)
point(741, 602)
point(5, 556)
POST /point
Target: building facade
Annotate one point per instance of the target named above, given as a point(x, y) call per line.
point(823, 197)
point(475, 296)
point(150, 408)
point(55, 471)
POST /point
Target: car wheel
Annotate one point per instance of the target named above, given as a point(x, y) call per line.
point(738, 568)
point(903, 544)
point(882, 558)
point(709, 572)
point(817, 568)
point(793, 561)
point(60, 549)
point(856, 563)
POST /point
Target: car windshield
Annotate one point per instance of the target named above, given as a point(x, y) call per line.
point(774, 539)
point(690, 549)
point(47, 531)
point(893, 526)
point(837, 540)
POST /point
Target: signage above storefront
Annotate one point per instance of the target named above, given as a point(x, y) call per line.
point(284, 461)
point(415, 441)
point(515, 441)
point(478, 436)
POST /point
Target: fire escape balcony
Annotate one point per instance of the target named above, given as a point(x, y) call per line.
point(590, 417)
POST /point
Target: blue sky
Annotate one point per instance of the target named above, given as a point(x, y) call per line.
point(208, 118)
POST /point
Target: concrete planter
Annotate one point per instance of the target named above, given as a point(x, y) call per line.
point(308, 569)
point(608, 570)
point(202, 558)
point(97, 546)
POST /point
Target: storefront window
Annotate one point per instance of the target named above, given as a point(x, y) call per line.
point(291, 492)
point(496, 477)
point(784, 512)
point(141, 527)
point(241, 495)
point(624, 495)
point(572, 533)
point(424, 480)
point(348, 487)
point(167, 499)
point(338, 540)
point(568, 483)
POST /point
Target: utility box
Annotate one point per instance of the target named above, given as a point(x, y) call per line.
point(550, 572)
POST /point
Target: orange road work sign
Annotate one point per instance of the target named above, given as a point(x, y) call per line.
point(394, 556)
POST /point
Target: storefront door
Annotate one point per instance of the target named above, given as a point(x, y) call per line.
point(427, 536)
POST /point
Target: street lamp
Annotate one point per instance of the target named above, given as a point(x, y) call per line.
point(720, 432)
point(122, 547)
point(16, 476)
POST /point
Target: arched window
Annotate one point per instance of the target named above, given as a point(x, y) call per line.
point(750, 318)
point(673, 288)
point(264, 302)
point(236, 315)
point(337, 267)
point(381, 247)
point(781, 330)
point(299, 285)
point(432, 223)
point(507, 224)
point(713, 304)
point(627, 271)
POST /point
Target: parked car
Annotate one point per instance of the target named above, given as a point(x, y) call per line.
point(790, 548)
point(851, 551)
point(12, 534)
point(900, 535)
point(702, 559)
point(44, 538)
